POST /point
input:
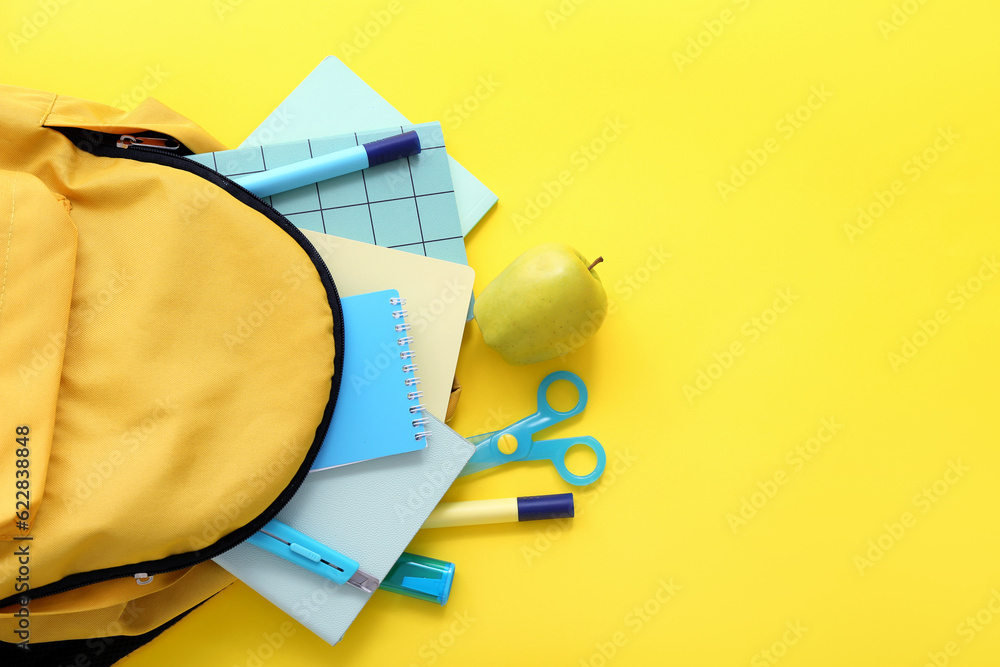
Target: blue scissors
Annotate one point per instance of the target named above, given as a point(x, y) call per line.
point(516, 442)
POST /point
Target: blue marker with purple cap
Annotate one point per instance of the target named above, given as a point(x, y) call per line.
point(306, 172)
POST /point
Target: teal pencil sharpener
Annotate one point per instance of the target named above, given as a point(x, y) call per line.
point(420, 577)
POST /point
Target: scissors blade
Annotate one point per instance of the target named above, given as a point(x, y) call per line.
point(476, 439)
point(480, 460)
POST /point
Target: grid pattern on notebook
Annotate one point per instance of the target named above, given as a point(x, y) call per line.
point(406, 204)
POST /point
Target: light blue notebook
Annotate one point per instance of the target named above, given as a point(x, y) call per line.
point(334, 100)
point(378, 410)
point(368, 511)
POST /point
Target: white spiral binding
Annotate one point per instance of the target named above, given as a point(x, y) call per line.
point(409, 368)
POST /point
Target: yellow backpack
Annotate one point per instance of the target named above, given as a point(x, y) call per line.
point(167, 372)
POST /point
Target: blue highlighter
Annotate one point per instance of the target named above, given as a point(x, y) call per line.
point(306, 172)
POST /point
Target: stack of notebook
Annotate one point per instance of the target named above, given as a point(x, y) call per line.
point(392, 237)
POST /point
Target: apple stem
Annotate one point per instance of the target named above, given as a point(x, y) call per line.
point(595, 262)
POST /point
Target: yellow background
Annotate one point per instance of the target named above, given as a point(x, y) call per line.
point(553, 593)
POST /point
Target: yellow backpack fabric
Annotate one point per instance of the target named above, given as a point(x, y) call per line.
point(167, 367)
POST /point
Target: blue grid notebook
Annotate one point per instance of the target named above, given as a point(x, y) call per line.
point(406, 204)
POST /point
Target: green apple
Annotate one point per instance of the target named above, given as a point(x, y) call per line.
point(545, 304)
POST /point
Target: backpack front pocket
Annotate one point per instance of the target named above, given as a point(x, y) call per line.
point(37, 267)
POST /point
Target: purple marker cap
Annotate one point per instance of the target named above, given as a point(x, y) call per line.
point(392, 148)
point(556, 506)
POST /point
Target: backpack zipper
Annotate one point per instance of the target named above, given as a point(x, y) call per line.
point(167, 151)
point(166, 143)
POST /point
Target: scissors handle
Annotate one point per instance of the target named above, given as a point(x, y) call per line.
point(556, 450)
point(548, 414)
point(521, 433)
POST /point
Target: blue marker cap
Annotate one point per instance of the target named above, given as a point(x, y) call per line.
point(556, 506)
point(392, 148)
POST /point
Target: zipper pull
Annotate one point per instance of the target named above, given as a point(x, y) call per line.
point(165, 143)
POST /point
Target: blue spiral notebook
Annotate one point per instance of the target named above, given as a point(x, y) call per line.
point(378, 411)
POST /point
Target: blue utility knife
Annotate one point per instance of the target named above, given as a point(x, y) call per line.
point(283, 540)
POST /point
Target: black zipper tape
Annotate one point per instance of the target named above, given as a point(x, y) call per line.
point(105, 145)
